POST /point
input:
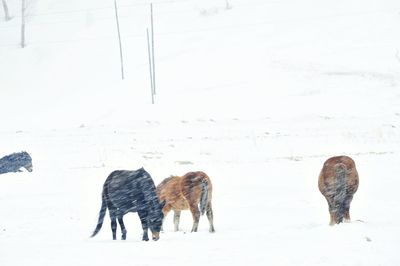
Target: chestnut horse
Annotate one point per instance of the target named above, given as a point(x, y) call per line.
point(190, 191)
point(338, 181)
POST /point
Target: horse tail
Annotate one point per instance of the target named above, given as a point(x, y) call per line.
point(339, 200)
point(102, 213)
point(204, 196)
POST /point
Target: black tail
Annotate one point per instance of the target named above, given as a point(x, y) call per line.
point(102, 213)
point(339, 201)
point(204, 196)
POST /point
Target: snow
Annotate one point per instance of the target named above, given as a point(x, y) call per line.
point(258, 96)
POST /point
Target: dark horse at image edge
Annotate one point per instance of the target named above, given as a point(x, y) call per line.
point(131, 191)
point(14, 162)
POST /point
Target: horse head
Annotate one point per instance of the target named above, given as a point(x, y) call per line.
point(156, 219)
point(26, 160)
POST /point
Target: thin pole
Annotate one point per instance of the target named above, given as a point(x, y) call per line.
point(227, 6)
point(119, 38)
point(23, 24)
point(150, 68)
point(7, 14)
point(152, 47)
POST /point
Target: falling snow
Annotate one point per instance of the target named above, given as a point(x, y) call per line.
point(255, 93)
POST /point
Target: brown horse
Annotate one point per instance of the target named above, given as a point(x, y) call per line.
point(187, 192)
point(338, 181)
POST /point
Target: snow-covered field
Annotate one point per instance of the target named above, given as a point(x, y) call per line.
point(258, 95)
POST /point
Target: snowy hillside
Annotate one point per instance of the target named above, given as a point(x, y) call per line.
point(256, 93)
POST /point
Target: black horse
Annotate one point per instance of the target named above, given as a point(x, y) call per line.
point(14, 162)
point(131, 191)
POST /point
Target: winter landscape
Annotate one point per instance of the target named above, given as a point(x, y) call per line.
point(256, 93)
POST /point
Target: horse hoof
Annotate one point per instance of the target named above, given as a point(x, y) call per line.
point(156, 238)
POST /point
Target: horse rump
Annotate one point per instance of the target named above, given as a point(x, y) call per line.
point(338, 181)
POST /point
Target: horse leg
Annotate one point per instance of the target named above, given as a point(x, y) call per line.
point(114, 227)
point(177, 216)
point(165, 211)
point(347, 208)
point(113, 223)
point(196, 217)
point(123, 230)
point(331, 211)
point(143, 220)
point(210, 217)
point(347, 216)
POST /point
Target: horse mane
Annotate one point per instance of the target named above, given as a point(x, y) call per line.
point(166, 180)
